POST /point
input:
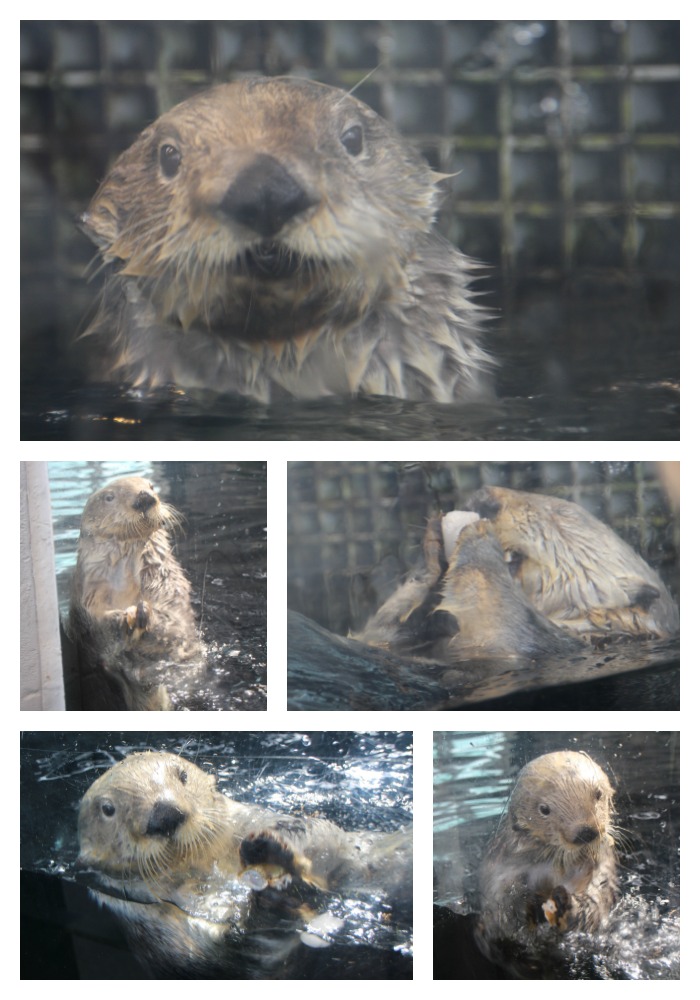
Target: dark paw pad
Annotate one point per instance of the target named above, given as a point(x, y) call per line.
point(560, 895)
point(265, 848)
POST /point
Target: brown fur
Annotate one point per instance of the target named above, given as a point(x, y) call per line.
point(171, 823)
point(157, 831)
point(130, 604)
point(530, 577)
point(574, 569)
point(552, 860)
point(273, 237)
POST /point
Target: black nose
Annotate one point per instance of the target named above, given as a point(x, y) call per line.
point(585, 834)
point(164, 820)
point(265, 196)
point(144, 501)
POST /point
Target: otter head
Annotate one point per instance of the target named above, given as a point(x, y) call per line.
point(275, 191)
point(150, 814)
point(564, 801)
point(562, 556)
point(127, 508)
point(532, 532)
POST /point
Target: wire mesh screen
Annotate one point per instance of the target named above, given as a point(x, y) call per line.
point(562, 136)
point(355, 527)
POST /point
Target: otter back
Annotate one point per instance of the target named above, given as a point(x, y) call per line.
point(272, 238)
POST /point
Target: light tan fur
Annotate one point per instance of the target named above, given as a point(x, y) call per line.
point(273, 237)
point(552, 860)
point(531, 576)
point(573, 568)
point(130, 602)
point(157, 831)
point(167, 822)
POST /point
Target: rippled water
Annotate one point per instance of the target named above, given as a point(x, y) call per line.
point(629, 410)
point(326, 672)
point(358, 780)
point(222, 547)
point(473, 776)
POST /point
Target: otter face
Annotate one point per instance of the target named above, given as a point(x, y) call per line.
point(150, 814)
point(563, 801)
point(281, 187)
point(127, 508)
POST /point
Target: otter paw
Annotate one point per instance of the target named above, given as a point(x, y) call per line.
point(268, 861)
point(136, 618)
point(556, 909)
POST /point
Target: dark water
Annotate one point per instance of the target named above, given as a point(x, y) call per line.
point(358, 780)
point(473, 776)
point(222, 547)
point(630, 410)
point(326, 672)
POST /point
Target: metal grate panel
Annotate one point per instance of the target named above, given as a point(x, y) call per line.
point(356, 527)
point(563, 135)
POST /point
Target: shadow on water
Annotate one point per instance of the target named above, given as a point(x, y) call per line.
point(357, 780)
point(222, 548)
point(473, 776)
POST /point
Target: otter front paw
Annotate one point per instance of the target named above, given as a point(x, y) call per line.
point(136, 619)
point(557, 909)
point(267, 860)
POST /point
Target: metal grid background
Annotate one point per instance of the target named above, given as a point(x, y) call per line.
point(563, 135)
point(354, 527)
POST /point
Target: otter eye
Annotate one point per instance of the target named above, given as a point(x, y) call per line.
point(544, 809)
point(170, 158)
point(108, 808)
point(514, 560)
point(182, 775)
point(352, 139)
point(598, 794)
point(109, 497)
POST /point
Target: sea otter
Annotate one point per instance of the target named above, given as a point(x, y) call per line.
point(274, 238)
point(521, 575)
point(191, 872)
point(551, 865)
point(130, 604)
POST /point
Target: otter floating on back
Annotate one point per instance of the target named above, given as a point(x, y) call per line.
point(190, 872)
point(274, 238)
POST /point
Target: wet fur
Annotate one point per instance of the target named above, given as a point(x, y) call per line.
point(350, 292)
point(213, 829)
point(533, 576)
point(574, 569)
point(157, 831)
point(130, 601)
point(551, 864)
